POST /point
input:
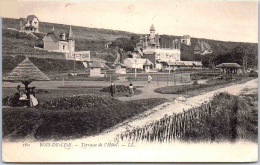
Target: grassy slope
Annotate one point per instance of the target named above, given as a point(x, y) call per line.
point(87, 39)
point(94, 39)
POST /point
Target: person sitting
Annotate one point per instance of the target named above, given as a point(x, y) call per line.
point(33, 101)
point(22, 95)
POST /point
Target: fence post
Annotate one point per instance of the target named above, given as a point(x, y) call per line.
point(157, 81)
point(233, 122)
point(174, 81)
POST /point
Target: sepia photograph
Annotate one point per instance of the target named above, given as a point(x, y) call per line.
point(127, 81)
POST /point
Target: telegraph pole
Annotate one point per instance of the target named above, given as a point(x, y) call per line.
point(135, 69)
point(74, 65)
point(169, 68)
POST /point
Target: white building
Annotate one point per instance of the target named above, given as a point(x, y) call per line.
point(149, 47)
point(186, 40)
point(29, 24)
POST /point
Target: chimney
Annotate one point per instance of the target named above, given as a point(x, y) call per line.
point(146, 44)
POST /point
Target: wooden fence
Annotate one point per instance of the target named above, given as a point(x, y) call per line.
point(169, 128)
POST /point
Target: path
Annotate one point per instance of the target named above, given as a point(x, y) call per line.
point(148, 91)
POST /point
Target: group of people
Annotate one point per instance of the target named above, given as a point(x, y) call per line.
point(113, 89)
point(27, 94)
point(131, 87)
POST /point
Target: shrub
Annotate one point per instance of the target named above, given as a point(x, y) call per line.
point(119, 88)
point(253, 74)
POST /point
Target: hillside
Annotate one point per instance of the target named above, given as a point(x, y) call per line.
point(94, 40)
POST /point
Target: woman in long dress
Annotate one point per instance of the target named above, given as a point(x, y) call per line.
point(33, 100)
point(131, 89)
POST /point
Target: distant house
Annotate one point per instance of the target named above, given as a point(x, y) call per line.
point(138, 63)
point(59, 42)
point(95, 69)
point(29, 24)
point(121, 69)
point(108, 44)
point(202, 48)
point(186, 40)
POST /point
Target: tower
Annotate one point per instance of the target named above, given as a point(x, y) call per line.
point(71, 41)
point(152, 32)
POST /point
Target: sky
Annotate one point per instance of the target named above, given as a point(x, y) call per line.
point(219, 20)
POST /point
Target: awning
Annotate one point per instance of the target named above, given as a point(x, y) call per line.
point(229, 65)
point(26, 70)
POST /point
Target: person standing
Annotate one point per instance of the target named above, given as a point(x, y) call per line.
point(149, 79)
point(131, 89)
point(112, 89)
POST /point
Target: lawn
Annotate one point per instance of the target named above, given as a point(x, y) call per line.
point(194, 89)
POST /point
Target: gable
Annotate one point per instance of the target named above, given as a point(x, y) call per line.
point(50, 38)
point(197, 47)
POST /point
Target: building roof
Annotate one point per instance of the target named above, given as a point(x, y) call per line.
point(152, 28)
point(58, 34)
point(185, 37)
point(70, 37)
point(31, 17)
point(229, 65)
point(26, 70)
point(202, 46)
point(148, 63)
point(197, 63)
point(96, 64)
point(137, 60)
point(121, 66)
point(181, 63)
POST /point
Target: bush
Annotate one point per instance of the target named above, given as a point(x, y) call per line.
point(253, 74)
point(119, 88)
point(78, 102)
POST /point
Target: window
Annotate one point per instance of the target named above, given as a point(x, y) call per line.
point(63, 47)
point(30, 22)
